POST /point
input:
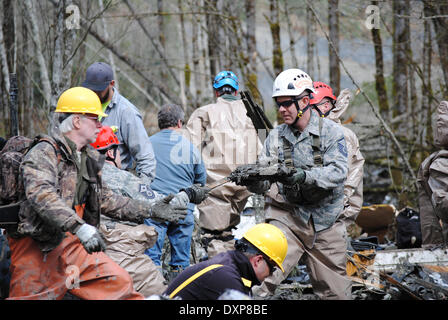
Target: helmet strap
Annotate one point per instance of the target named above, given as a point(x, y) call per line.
point(299, 112)
point(323, 115)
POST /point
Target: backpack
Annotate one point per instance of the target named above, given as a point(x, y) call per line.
point(409, 234)
point(12, 191)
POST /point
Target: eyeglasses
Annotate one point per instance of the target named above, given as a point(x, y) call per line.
point(270, 264)
point(286, 103)
point(94, 118)
point(325, 103)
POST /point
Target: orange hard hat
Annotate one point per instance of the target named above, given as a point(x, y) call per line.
point(322, 90)
point(106, 138)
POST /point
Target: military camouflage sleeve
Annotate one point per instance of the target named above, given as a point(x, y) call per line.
point(127, 184)
point(334, 170)
point(43, 190)
point(123, 208)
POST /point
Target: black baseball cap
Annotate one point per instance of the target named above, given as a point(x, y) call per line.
point(98, 76)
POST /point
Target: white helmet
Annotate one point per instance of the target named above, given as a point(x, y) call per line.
point(291, 82)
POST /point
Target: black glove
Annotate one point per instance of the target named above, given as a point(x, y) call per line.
point(196, 193)
point(296, 179)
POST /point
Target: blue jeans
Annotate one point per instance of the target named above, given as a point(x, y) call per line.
point(179, 235)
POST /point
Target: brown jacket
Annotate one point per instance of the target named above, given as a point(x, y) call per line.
point(353, 188)
point(54, 188)
point(227, 139)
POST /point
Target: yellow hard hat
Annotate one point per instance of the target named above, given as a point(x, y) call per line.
point(80, 100)
point(270, 240)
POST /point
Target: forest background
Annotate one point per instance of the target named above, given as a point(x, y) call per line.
point(391, 55)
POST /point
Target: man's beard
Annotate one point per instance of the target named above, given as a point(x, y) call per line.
point(105, 98)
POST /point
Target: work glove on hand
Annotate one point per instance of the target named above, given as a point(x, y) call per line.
point(91, 238)
point(180, 199)
point(163, 210)
point(196, 193)
point(296, 179)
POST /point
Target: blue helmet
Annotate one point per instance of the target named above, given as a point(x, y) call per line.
point(225, 78)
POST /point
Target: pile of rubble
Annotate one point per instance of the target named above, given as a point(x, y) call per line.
point(385, 260)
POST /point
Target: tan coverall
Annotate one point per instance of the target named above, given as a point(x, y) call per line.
point(432, 178)
point(353, 188)
point(227, 139)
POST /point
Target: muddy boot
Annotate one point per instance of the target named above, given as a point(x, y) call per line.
point(173, 272)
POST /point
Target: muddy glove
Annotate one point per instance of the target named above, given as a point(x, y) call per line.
point(91, 238)
point(196, 193)
point(180, 199)
point(258, 187)
point(296, 179)
point(163, 210)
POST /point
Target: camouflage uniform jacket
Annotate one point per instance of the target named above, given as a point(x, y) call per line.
point(53, 188)
point(322, 193)
point(125, 183)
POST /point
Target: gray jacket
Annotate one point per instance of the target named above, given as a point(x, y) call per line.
point(134, 142)
point(322, 193)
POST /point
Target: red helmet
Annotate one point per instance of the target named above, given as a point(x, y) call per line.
point(322, 90)
point(106, 138)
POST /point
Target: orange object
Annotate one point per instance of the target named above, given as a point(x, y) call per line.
point(46, 276)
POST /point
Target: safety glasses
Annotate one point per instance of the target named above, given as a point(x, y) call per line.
point(272, 266)
point(91, 117)
point(325, 103)
point(286, 103)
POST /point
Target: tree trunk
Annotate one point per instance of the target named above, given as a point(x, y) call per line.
point(380, 83)
point(30, 11)
point(333, 23)
point(277, 55)
point(212, 23)
point(427, 92)
point(400, 69)
point(111, 59)
point(9, 34)
point(439, 9)
point(292, 41)
point(251, 44)
point(310, 43)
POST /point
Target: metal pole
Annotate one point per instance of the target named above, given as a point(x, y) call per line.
point(13, 109)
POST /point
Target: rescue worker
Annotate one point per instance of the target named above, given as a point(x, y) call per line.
point(135, 148)
point(432, 179)
point(226, 138)
point(127, 241)
point(179, 165)
point(58, 249)
point(325, 103)
point(257, 254)
point(306, 205)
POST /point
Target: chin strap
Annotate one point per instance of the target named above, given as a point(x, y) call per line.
point(299, 112)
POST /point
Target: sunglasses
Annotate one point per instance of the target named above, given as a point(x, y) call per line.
point(286, 103)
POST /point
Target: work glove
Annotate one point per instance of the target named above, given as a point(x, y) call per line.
point(258, 187)
point(180, 199)
point(163, 210)
point(296, 179)
point(196, 193)
point(91, 238)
